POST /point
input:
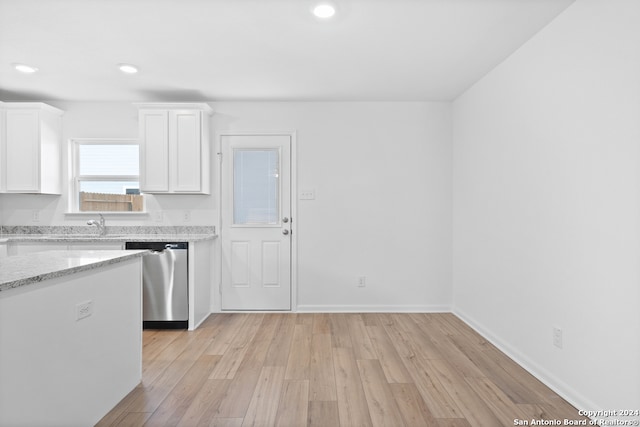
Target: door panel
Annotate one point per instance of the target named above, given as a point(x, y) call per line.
point(256, 241)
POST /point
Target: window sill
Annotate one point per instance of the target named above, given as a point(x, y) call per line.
point(106, 214)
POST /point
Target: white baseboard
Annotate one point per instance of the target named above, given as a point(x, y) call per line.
point(559, 387)
point(373, 308)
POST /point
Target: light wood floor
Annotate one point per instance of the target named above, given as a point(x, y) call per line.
point(331, 370)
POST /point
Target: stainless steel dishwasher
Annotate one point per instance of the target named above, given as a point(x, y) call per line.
point(165, 302)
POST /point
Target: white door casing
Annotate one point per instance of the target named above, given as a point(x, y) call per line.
point(256, 223)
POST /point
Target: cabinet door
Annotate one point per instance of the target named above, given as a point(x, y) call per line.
point(3, 150)
point(111, 246)
point(22, 151)
point(22, 248)
point(154, 151)
point(185, 142)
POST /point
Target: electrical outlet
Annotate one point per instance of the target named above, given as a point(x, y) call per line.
point(557, 337)
point(308, 195)
point(362, 281)
point(35, 216)
point(186, 216)
point(84, 309)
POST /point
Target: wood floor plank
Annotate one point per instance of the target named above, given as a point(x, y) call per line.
point(323, 414)
point(155, 341)
point(399, 330)
point(204, 405)
point(411, 405)
point(213, 326)
point(394, 369)
point(300, 354)
point(321, 323)
point(263, 408)
point(121, 409)
point(456, 326)
point(499, 403)
point(371, 319)
point(174, 406)
point(304, 319)
point(561, 408)
point(340, 336)
point(278, 353)
point(154, 367)
point(236, 400)
point(352, 402)
point(322, 381)
point(536, 391)
point(232, 358)
point(454, 422)
point(416, 338)
point(226, 422)
point(494, 370)
point(433, 392)
point(133, 419)
point(382, 405)
point(448, 350)
point(231, 326)
point(160, 388)
point(238, 395)
point(354, 369)
point(473, 407)
point(362, 347)
point(294, 404)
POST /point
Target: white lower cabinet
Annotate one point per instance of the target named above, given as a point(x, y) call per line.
point(21, 248)
point(114, 246)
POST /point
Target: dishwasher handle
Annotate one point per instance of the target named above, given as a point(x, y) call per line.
point(158, 246)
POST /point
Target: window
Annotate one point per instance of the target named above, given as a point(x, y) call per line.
point(106, 175)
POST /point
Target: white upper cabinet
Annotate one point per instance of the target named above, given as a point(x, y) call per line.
point(174, 148)
point(30, 148)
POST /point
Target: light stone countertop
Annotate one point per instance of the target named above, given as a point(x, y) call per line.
point(108, 238)
point(21, 270)
point(17, 233)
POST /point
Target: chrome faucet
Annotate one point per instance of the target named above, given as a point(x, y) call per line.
point(102, 229)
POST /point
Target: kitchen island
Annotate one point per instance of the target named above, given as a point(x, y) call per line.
point(70, 335)
point(23, 240)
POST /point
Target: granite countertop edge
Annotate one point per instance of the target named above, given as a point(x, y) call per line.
point(32, 268)
point(7, 238)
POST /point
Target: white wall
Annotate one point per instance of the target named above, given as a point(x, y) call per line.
point(382, 179)
point(102, 120)
point(546, 204)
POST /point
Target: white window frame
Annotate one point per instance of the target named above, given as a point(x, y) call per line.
point(76, 178)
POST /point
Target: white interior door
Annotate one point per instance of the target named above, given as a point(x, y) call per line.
point(256, 222)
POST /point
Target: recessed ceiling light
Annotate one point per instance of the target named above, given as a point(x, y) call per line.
point(24, 68)
point(128, 68)
point(324, 10)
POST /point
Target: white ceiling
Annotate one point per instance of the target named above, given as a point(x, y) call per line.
point(208, 50)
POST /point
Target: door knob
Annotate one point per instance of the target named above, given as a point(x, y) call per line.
point(285, 231)
point(285, 220)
